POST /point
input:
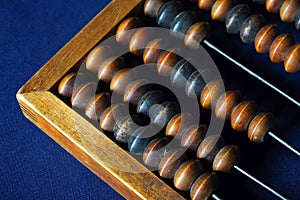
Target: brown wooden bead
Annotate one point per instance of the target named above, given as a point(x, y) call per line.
point(211, 93)
point(166, 61)
point(135, 90)
point(155, 151)
point(288, 10)
point(265, 37)
point(204, 186)
point(123, 35)
point(206, 4)
point(65, 86)
point(153, 51)
point(121, 80)
point(280, 46)
point(221, 8)
point(292, 59)
point(110, 115)
point(138, 41)
point(196, 34)
point(83, 94)
point(259, 126)
point(193, 136)
point(209, 147)
point(170, 163)
point(97, 105)
point(110, 67)
point(242, 114)
point(178, 124)
point(187, 173)
point(96, 57)
point(226, 158)
point(273, 6)
point(151, 7)
point(226, 103)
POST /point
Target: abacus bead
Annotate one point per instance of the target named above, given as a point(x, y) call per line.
point(210, 94)
point(221, 8)
point(196, 34)
point(125, 127)
point(187, 173)
point(180, 73)
point(242, 114)
point(83, 94)
point(292, 59)
point(110, 67)
point(265, 37)
point(251, 27)
point(151, 7)
point(65, 86)
point(204, 186)
point(259, 126)
point(297, 20)
point(168, 12)
point(138, 41)
point(280, 46)
point(205, 4)
point(182, 22)
point(288, 10)
point(196, 82)
point(123, 34)
point(96, 57)
point(135, 90)
point(236, 17)
point(155, 151)
point(121, 80)
point(148, 100)
point(273, 6)
point(226, 103)
point(170, 163)
point(163, 113)
point(166, 62)
point(178, 124)
point(209, 147)
point(153, 51)
point(226, 158)
point(193, 136)
point(111, 115)
point(97, 105)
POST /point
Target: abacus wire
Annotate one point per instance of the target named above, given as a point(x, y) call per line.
point(210, 45)
point(283, 143)
point(215, 197)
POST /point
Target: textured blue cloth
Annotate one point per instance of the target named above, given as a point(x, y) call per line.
point(33, 166)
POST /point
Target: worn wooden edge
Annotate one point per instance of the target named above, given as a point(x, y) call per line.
point(102, 156)
point(79, 45)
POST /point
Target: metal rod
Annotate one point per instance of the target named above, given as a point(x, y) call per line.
point(259, 182)
point(284, 143)
point(216, 197)
point(210, 45)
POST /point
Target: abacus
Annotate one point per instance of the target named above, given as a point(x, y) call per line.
point(146, 146)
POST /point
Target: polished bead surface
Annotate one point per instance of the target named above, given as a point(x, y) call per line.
point(259, 126)
point(226, 103)
point(97, 105)
point(65, 86)
point(170, 163)
point(242, 114)
point(196, 34)
point(166, 62)
point(139, 41)
point(204, 186)
point(193, 136)
point(148, 100)
point(111, 115)
point(292, 59)
point(280, 47)
point(110, 67)
point(250, 28)
point(226, 158)
point(206, 4)
point(265, 37)
point(153, 50)
point(83, 94)
point(297, 20)
point(178, 124)
point(96, 57)
point(236, 17)
point(196, 82)
point(273, 6)
point(163, 113)
point(135, 90)
point(123, 35)
point(180, 73)
point(125, 127)
point(187, 173)
point(121, 80)
point(210, 94)
point(288, 10)
point(221, 8)
point(182, 22)
point(151, 7)
point(155, 151)
point(168, 12)
point(209, 147)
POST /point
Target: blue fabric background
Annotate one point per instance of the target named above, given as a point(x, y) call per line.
point(35, 167)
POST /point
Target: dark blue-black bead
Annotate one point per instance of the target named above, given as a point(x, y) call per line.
point(180, 73)
point(168, 12)
point(150, 99)
point(259, 1)
point(297, 20)
point(182, 22)
point(196, 82)
point(125, 127)
point(251, 27)
point(236, 17)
